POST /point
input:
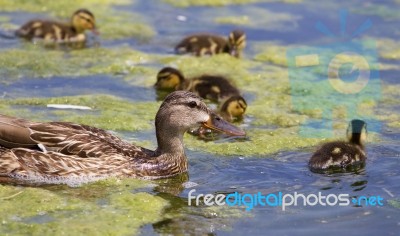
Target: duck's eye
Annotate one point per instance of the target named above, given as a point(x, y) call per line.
point(192, 104)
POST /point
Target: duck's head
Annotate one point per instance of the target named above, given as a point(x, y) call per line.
point(237, 42)
point(357, 132)
point(169, 78)
point(182, 110)
point(83, 20)
point(235, 106)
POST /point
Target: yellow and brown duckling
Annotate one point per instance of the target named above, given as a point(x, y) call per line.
point(206, 86)
point(61, 152)
point(233, 108)
point(209, 44)
point(214, 88)
point(52, 31)
point(341, 154)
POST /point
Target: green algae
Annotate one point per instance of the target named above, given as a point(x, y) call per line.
point(254, 17)
point(218, 3)
point(375, 9)
point(389, 49)
point(271, 53)
point(108, 112)
point(262, 142)
point(112, 23)
point(30, 62)
point(233, 20)
point(69, 211)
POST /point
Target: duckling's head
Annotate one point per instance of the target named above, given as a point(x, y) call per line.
point(235, 106)
point(183, 110)
point(357, 132)
point(169, 78)
point(237, 42)
point(83, 20)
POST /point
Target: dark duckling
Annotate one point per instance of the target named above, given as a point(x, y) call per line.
point(233, 108)
point(209, 44)
point(210, 87)
point(52, 31)
point(341, 154)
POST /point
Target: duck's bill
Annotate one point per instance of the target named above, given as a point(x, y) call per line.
point(95, 31)
point(234, 52)
point(218, 124)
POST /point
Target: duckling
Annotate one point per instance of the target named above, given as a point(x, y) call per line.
point(209, 44)
point(52, 31)
point(210, 87)
point(59, 152)
point(342, 154)
point(233, 108)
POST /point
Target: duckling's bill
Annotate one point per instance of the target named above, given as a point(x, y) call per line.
point(218, 124)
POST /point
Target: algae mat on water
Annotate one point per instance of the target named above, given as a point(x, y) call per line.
point(106, 207)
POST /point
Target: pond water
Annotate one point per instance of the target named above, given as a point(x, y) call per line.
point(114, 75)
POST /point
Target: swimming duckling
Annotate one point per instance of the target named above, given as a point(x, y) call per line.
point(342, 154)
point(210, 87)
point(209, 44)
point(233, 108)
point(60, 152)
point(52, 31)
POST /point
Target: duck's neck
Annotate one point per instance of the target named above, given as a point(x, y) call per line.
point(356, 139)
point(170, 142)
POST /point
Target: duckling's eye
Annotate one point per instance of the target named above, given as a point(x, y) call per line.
point(192, 104)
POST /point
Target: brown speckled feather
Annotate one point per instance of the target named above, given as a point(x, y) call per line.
point(61, 152)
point(337, 154)
point(210, 87)
point(202, 44)
point(49, 30)
point(74, 150)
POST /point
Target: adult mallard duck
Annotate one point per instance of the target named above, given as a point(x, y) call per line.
point(209, 44)
point(341, 154)
point(52, 31)
point(59, 152)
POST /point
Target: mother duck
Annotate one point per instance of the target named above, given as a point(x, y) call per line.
point(58, 152)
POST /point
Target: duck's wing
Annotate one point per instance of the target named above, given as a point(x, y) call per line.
point(27, 162)
point(63, 137)
point(81, 140)
point(14, 132)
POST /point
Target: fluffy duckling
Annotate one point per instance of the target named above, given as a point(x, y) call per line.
point(342, 154)
point(208, 44)
point(233, 108)
point(52, 31)
point(210, 87)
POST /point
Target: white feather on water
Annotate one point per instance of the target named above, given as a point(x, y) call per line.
point(68, 106)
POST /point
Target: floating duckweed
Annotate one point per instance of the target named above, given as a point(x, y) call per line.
point(272, 54)
point(254, 17)
point(233, 20)
point(108, 112)
point(262, 142)
point(29, 62)
point(384, 11)
point(60, 210)
point(389, 49)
